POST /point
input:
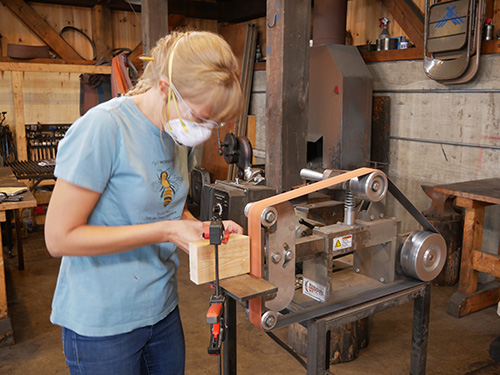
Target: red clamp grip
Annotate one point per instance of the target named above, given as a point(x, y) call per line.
point(216, 330)
point(226, 237)
point(214, 312)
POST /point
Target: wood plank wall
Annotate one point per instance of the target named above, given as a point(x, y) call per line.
point(363, 20)
point(55, 97)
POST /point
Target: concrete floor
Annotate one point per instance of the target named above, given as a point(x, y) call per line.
point(456, 346)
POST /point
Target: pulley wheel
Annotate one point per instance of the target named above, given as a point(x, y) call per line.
point(423, 255)
point(372, 187)
point(230, 148)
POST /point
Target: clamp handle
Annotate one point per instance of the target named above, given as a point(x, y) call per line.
point(214, 313)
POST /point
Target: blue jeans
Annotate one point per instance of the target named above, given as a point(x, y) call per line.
point(156, 349)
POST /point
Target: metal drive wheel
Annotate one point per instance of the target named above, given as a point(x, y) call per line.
point(423, 255)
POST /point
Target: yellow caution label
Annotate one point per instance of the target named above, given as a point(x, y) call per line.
point(343, 242)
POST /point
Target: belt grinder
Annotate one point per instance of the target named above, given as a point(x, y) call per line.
point(381, 254)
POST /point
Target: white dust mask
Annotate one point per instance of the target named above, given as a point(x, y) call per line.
point(187, 133)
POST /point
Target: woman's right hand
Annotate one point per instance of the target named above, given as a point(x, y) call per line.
point(182, 232)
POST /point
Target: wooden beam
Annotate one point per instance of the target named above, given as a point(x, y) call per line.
point(17, 93)
point(49, 61)
point(102, 31)
point(53, 68)
point(240, 11)
point(154, 23)
point(409, 17)
point(234, 259)
point(42, 29)
point(487, 263)
point(193, 9)
point(488, 47)
point(287, 93)
point(189, 8)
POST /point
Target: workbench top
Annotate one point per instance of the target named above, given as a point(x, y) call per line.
point(486, 190)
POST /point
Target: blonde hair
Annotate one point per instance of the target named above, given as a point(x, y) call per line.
point(204, 68)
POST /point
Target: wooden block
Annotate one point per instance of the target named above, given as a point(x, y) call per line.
point(484, 262)
point(461, 304)
point(234, 259)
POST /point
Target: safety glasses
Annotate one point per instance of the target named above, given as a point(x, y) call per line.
point(188, 112)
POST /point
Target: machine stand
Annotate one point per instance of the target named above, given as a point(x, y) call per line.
point(319, 328)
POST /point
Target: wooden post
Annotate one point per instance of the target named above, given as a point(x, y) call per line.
point(154, 22)
point(287, 91)
point(3, 293)
point(473, 231)
point(102, 31)
point(17, 92)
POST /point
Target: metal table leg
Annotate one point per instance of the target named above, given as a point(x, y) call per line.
point(421, 311)
point(318, 353)
point(318, 359)
point(229, 345)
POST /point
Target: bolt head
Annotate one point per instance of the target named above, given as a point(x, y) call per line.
point(270, 217)
point(270, 321)
point(276, 257)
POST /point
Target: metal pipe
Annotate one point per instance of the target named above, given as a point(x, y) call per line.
point(309, 174)
point(445, 143)
point(329, 22)
point(438, 91)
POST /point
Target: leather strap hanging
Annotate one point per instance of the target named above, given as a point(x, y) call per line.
point(92, 44)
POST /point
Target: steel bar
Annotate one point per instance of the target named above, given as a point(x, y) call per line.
point(437, 91)
point(448, 143)
point(337, 306)
point(317, 358)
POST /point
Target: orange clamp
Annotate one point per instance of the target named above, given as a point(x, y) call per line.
point(214, 311)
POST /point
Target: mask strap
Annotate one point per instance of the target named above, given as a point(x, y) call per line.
point(170, 91)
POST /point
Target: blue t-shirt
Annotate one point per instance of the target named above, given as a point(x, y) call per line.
point(142, 176)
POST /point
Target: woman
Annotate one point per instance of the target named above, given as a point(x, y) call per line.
point(117, 213)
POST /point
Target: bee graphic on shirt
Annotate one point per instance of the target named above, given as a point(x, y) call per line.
point(168, 189)
point(165, 185)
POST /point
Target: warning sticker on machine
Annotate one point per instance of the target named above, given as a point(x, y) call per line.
point(342, 242)
point(314, 290)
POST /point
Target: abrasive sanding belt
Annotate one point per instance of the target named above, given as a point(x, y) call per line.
point(256, 209)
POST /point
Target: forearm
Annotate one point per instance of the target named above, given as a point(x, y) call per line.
point(90, 240)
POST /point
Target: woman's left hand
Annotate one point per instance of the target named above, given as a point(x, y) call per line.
point(232, 227)
point(229, 226)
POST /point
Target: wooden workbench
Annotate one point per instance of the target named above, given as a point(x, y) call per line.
point(474, 196)
point(7, 179)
